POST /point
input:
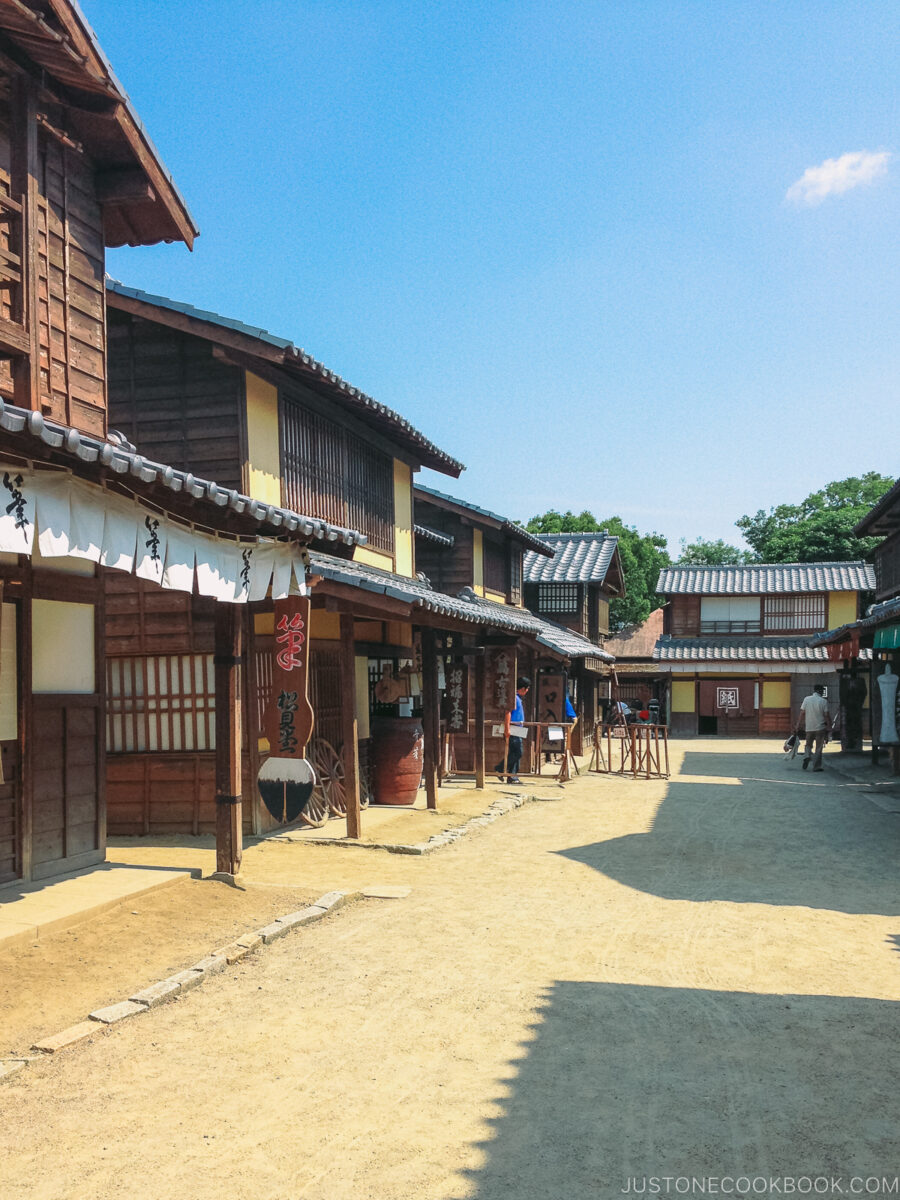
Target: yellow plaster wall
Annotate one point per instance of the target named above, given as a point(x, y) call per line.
point(841, 608)
point(497, 596)
point(325, 625)
point(399, 633)
point(683, 695)
point(478, 562)
point(403, 520)
point(368, 631)
point(776, 693)
point(264, 623)
point(263, 440)
point(373, 558)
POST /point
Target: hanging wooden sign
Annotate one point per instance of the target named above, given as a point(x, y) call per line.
point(501, 672)
point(456, 698)
point(551, 698)
point(286, 779)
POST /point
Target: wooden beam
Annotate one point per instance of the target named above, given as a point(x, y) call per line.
point(431, 699)
point(350, 751)
point(124, 185)
point(480, 706)
point(229, 807)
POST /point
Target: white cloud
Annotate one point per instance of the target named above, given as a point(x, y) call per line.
point(837, 175)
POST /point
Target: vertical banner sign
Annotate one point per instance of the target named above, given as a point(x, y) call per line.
point(551, 704)
point(501, 673)
point(456, 698)
point(286, 779)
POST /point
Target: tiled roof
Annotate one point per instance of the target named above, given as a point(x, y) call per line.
point(465, 607)
point(572, 645)
point(122, 460)
point(759, 579)
point(877, 614)
point(578, 558)
point(433, 535)
point(507, 526)
point(299, 362)
point(738, 649)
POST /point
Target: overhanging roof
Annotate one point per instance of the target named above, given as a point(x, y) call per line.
point(279, 352)
point(28, 434)
point(760, 579)
point(738, 649)
point(578, 558)
point(884, 518)
point(141, 204)
point(482, 516)
point(887, 613)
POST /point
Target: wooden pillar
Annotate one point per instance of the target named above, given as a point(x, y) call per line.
point(480, 707)
point(229, 809)
point(349, 729)
point(431, 700)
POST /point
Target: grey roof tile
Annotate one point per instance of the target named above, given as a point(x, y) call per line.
point(433, 535)
point(505, 523)
point(578, 558)
point(738, 649)
point(886, 613)
point(759, 579)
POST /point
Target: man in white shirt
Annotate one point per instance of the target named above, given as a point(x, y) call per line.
point(817, 723)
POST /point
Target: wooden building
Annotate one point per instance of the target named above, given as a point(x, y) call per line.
point(483, 556)
point(737, 641)
point(864, 647)
point(641, 679)
point(214, 394)
point(574, 588)
point(77, 174)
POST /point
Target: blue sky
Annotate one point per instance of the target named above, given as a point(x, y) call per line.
point(557, 238)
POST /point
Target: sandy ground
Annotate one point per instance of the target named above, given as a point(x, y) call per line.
point(693, 978)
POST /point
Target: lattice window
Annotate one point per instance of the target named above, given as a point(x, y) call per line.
point(558, 598)
point(515, 575)
point(795, 614)
point(163, 702)
point(496, 567)
point(331, 473)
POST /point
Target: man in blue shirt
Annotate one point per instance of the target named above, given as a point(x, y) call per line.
point(514, 721)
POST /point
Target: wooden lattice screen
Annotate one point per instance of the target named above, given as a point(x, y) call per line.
point(794, 614)
point(160, 702)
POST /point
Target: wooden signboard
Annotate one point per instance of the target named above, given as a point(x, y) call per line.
point(501, 679)
point(551, 697)
point(456, 698)
point(286, 779)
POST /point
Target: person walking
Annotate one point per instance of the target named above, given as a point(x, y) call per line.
point(515, 733)
point(817, 723)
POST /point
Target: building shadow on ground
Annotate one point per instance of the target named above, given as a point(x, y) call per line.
point(751, 840)
point(624, 1082)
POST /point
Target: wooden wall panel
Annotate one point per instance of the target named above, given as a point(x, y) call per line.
point(448, 568)
point(174, 400)
point(166, 793)
point(775, 721)
point(684, 614)
point(66, 806)
point(142, 618)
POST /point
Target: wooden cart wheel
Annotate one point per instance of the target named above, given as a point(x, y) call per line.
point(329, 768)
point(365, 789)
point(316, 812)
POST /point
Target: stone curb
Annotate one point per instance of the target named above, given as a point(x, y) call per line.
point(499, 808)
point(184, 981)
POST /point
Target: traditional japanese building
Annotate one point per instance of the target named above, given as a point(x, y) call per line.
point(469, 550)
point(574, 588)
point(77, 174)
point(737, 641)
point(640, 678)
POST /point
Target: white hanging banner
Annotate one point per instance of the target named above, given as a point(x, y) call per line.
point(16, 511)
point(282, 573)
point(52, 503)
point(208, 573)
point(152, 536)
point(71, 517)
point(179, 572)
point(86, 524)
point(119, 535)
point(262, 560)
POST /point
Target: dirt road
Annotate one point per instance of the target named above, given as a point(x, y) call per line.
point(686, 979)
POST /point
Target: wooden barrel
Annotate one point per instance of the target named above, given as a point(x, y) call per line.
point(398, 745)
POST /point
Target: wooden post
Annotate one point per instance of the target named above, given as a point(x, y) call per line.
point(229, 809)
point(349, 730)
point(431, 700)
point(480, 705)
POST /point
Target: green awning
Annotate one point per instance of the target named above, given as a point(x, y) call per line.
point(887, 638)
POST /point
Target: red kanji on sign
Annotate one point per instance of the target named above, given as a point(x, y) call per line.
point(291, 638)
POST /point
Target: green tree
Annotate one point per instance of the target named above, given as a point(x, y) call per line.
point(643, 557)
point(705, 553)
point(819, 528)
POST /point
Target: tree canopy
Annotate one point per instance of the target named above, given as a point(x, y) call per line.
point(819, 528)
point(643, 557)
point(706, 553)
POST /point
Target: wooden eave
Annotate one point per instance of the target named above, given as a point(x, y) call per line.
point(55, 41)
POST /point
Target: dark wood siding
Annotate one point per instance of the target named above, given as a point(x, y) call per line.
point(174, 400)
point(10, 831)
point(684, 614)
point(332, 473)
point(449, 568)
point(887, 568)
point(142, 618)
point(67, 788)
